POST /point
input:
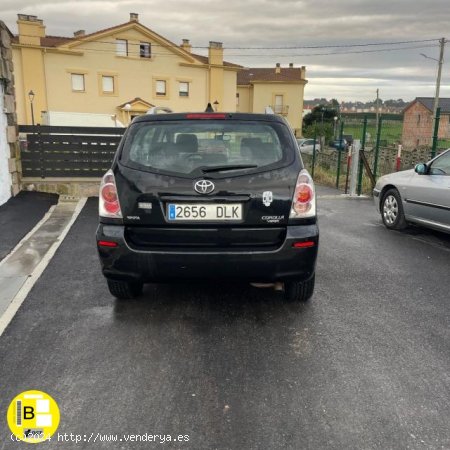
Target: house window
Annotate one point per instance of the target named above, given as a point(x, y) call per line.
point(77, 82)
point(237, 98)
point(161, 87)
point(418, 119)
point(278, 104)
point(145, 50)
point(121, 47)
point(107, 84)
point(184, 89)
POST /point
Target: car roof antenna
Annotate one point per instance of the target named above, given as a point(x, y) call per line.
point(209, 108)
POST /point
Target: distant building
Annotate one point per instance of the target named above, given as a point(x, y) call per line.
point(418, 122)
point(279, 87)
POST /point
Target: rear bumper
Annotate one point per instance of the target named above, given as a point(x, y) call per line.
point(286, 262)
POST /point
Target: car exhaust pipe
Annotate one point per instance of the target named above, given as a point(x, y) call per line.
point(278, 286)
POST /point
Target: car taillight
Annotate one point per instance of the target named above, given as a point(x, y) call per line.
point(109, 205)
point(304, 200)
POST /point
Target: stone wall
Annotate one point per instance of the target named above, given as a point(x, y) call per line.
point(9, 149)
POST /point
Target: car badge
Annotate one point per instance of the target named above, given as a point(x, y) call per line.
point(267, 198)
point(204, 186)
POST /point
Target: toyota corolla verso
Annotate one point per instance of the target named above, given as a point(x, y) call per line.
point(200, 196)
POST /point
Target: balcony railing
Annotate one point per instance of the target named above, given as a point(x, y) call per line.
point(280, 109)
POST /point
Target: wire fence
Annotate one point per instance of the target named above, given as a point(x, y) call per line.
point(389, 145)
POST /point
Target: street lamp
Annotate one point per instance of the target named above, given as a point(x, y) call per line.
point(335, 118)
point(31, 97)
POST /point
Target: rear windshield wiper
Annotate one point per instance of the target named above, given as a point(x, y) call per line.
point(224, 168)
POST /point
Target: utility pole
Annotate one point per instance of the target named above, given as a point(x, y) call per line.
point(442, 42)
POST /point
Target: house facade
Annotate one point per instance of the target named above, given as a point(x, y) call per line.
point(108, 77)
point(418, 122)
point(281, 88)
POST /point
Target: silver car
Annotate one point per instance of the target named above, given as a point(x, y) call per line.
point(420, 195)
point(306, 146)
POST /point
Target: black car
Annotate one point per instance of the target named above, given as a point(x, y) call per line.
point(199, 196)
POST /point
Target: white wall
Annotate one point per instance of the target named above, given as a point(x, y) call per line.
point(5, 176)
point(77, 119)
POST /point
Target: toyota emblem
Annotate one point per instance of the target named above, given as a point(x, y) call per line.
point(204, 186)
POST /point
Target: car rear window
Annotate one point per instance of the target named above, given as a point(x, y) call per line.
point(193, 147)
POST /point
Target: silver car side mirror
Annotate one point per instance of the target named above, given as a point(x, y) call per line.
point(421, 169)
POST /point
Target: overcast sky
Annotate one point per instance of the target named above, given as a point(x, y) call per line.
point(284, 23)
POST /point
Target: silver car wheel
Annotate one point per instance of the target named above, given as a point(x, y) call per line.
point(390, 209)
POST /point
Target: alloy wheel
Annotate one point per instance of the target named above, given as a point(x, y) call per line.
point(390, 209)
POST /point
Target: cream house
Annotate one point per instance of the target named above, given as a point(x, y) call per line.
point(114, 74)
point(282, 88)
point(108, 77)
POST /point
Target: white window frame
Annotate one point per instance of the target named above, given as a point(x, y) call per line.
point(75, 85)
point(142, 51)
point(105, 91)
point(121, 47)
point(181, 92)
point(159, 84)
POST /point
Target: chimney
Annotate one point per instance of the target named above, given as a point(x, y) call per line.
point(215, 53)
point(291, 65)
point(277, 68)
point(31, 29)
point(186, 45)
point(303, 68)
point(134, 17)
point(79, 33)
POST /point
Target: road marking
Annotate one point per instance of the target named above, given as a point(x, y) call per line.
point(21, 295)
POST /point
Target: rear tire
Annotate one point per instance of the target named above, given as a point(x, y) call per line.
point(392, 211)
point(124, 290)
point(299, 291)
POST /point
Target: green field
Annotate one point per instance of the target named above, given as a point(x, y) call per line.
point(391, 131)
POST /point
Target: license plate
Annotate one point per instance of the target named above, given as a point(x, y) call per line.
point(209, 212)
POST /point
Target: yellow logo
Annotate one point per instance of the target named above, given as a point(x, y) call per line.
point(33, 416)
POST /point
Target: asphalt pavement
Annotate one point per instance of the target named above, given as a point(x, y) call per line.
point(364, 365)
point(19, 215)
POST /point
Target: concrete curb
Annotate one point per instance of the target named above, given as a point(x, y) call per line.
point(21, 295)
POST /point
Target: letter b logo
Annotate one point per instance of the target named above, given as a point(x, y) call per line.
point(28, 412)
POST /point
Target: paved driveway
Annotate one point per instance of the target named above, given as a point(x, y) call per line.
point(365, 365)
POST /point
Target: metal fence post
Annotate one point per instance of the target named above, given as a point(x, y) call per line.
point(354, 166)
point(363, 146)
point(377, 147)
point(339, 155)
point(314, 155)
point(436, 132)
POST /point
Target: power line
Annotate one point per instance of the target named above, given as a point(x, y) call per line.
point(295, 47)
point(106, 51)
point(338, 53)
point(330, 46)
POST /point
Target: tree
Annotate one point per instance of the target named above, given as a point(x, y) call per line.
point(315, 116)
point(316, 130)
